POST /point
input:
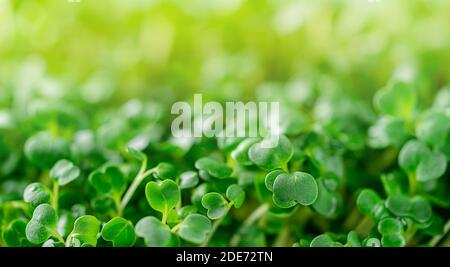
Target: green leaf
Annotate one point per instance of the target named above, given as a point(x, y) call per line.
point(43, 150)
point(416, 208)
point(136, 154)
point(324, 240)
point(240, 153)
point(213, 167)
point(397, 99)
point(433, 128)
point(389, 226)
point(411, 154)
point(236, 194)
point(188, 179)
point(393, 240)
point(37, 194)
point(120, 232)
point(398, 204)
point(85, 232)
point(14, 234)
point(420, 210)
point(154, 232)
point(353, 239)
point(42, 225)
point(367, 199)
point(299, 187)
point(195, 228)
point(216, 205)
point(267, 157)
point(270, 179)
point(108, 180)
point(328, 202)
point(387, 131)
point(431, 167)
point(64, 172)
point(165, 170)
point(163, 196)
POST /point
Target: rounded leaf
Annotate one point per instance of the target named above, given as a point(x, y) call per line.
point(265, 156)
point(236, 194)
point(216, 205)
point(108, 180)
point(240, 153)
point(119, 231)
point(64, 172)
point(195, 228)
point(163, 196)
point(300, 187)
point(85, 232)
point(36, 194)
point(44, 150)
point(188, 179)
point(411, 154)
point(213, 167)
point(367, 200)
point(153, 231)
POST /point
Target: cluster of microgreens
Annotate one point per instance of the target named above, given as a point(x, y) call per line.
point(351, 178)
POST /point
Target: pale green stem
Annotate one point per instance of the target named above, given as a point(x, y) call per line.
point(435, 241)
point(216, 225)
point(256, 214)
point(134, 185)
point(55, 195)
point(412, 183)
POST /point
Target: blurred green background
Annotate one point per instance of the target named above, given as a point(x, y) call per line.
point(113, 50)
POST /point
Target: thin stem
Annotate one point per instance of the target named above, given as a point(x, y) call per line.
point(58, 236)
point(256, 214)
point(412, 183)
point(134, 185)
point(165, 215)
point(55, 195)
point(176, 227)
point(364, 226)
point(435, 241)
point(216, 225)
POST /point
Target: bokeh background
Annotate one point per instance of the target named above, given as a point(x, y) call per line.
point(104, 51)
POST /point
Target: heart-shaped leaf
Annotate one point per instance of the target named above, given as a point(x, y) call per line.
point(300, 187)
point(85, 232)
point(154, 232)
point(108, 180)
point(163, 196)
point(37, 194)
point(119, 231)
point(216, 205)
point(397, 99)
point(64, 172)
point(236, 194)
point(42, 225)
point(269, 157)
point(213, 167)
point(195, 228)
